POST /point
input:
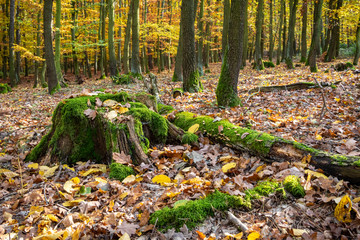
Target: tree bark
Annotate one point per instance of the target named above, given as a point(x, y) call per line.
point(226, 26)
point(73, 37)
point(334, 43)
point(357, 51)
point(111, 46)
point(57, 41)
point(135, 57)
point(178, 73)
point(291, 34)
point(12, 73)
point(51, 76)
point(281, 18)
point(127, 40)
point(304, 12)
point(315, 40)
point(226, 91)
point(200, 43)
point(191, 76)
point(259, 65)
point(271, 38)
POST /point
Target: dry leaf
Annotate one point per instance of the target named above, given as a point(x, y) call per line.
point(228, 166)
point(193, 128)
point(161, 179)
point(90, 113)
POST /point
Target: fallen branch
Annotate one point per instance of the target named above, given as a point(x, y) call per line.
point(237, 222)
point(293, 86)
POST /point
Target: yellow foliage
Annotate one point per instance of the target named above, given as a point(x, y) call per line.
point(72, 203)
point(27, 54)
point(228, 166)
point(33, 165)
point(193, 128)
point(315, 174)
point(343, 209)
point(254, 235)
point(161, 179)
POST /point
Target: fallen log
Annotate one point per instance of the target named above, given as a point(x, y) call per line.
point(293, 86)
point(93, 127)
point(269, 147)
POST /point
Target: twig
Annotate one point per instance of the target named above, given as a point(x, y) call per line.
point(237, 221)
point(154, 226)
point(47, 202)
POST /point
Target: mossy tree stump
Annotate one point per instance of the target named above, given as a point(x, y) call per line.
point(93, 127)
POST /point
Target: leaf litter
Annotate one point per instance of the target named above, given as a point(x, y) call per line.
point(81, 201)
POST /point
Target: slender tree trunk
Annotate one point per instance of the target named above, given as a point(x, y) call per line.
point(5, 50)
point(53, 83)
point(208, 37)
point(281, 18)
point(57, 41)
point(304, 12)
point(226, 91)
point(112, 58)
point(357, 52)
point(246, 35)
point(12, 72)
point(120, 36)
point(226, 26)
point(191, 76)
point(145, 59)
point(178, 73)
point(291, 35)
point(259, 65)
point(271, 50)
point(127, 40)
point(18, 41)
point(315, 40)
point(284, 35)
point(334, 43)
point(135, 58)
point(73, 37)
point(201, 39)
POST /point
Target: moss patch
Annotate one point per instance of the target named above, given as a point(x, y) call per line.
point(126, 78)
point(120, 172)
point(269, 64)
point(5, 88)
point(292, 185)
point(164, 109)
point(189, 138)
point(193, 213)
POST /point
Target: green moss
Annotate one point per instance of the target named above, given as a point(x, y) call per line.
point(357, 163)
point(264, 188)
point(120, 172)
point(189, 138)
point(38, 150)
point(175, 78)
point(269, 64)
point(292, 184)
point(158, 124)
point(193, 84)
point(126, 78)
point(349, 65)
point(257, 142)
point(164, 109)
point(5, 88)
point(192, 213)
point(54, 90)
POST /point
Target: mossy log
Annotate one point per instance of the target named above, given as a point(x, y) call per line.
point(93, 127)
point(293, 86)
point(269, 147)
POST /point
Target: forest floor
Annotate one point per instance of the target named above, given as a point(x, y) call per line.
point(36, 200)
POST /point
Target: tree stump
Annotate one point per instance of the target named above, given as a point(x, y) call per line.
point(93, 127)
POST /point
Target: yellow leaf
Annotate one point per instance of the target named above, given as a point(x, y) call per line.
point(318, 137)
point(70, 168)
point(125, 236)
point(172, 194)
point(75, 180)
point(90, 171)
point(33, 165)
point(100, 180)
point(123, 195)
point(161, 179)
point(109, 103)
point(111, 205)
point(239, 236)
point(337, 99)
point(68, 186)
point(259, 168)
point(76, 234)
point(10, 174)
point(3, 170)
point(122, 110)
point(254, 235)
point(34, 209)
point(356, 200)
point(228, 166)
point(342, 210)
point(129, 179)
point(49, 236)
point(315, 174)
point(201, 235)
point(53, 218)
point(72, 203)
point(193, 128)
point(48, 172)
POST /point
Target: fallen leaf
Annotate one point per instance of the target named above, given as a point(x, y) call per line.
point(193, 128)
point(343, 209)
point(90, 113)
point(228, 166)
point(127, 228)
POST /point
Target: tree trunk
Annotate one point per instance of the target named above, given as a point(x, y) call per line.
point(226, 26)
point(73, 37)
point(281, 18)
point(127, 40)
point(283, 55)
point(12, 73)
point(304, 12)
point(246, 37)
point(51, 76)
point(206, 55)
point(291, 34)
point(178, 73)
point(18, 42)
point(135, 57)
point(259, 65)
point(201, 39)
point(120, 37)
point(37, 51)
point(112, 58)
point(191, 76)
point(57, 41)
point(226, 91)
point(271, 148)
point(357, 52)
point(315, 40)
point(271, 39)
point(334, 43)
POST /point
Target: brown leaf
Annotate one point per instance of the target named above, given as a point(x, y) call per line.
point(145, 216)
point(98, 102)
point(127, 228)
point(121, 158)
point(244, 135)
point(220, 128)
point(90, 113)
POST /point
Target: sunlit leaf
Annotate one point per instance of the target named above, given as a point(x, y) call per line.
point(254, 235)
point(343, 209)
point(228, 166)
point(193, 128)
point(33, 165)
point(161, 179)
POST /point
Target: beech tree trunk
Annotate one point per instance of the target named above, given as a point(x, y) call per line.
point(226, 22)
point(127, 40)
point(304, 11)
point(281, 19)
point(259, 65)
point(332, 51)
point(357, 52)
point(291, 35)
point(112, 56)
point(135, 53)
point(315, 40)
point(12, 73)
